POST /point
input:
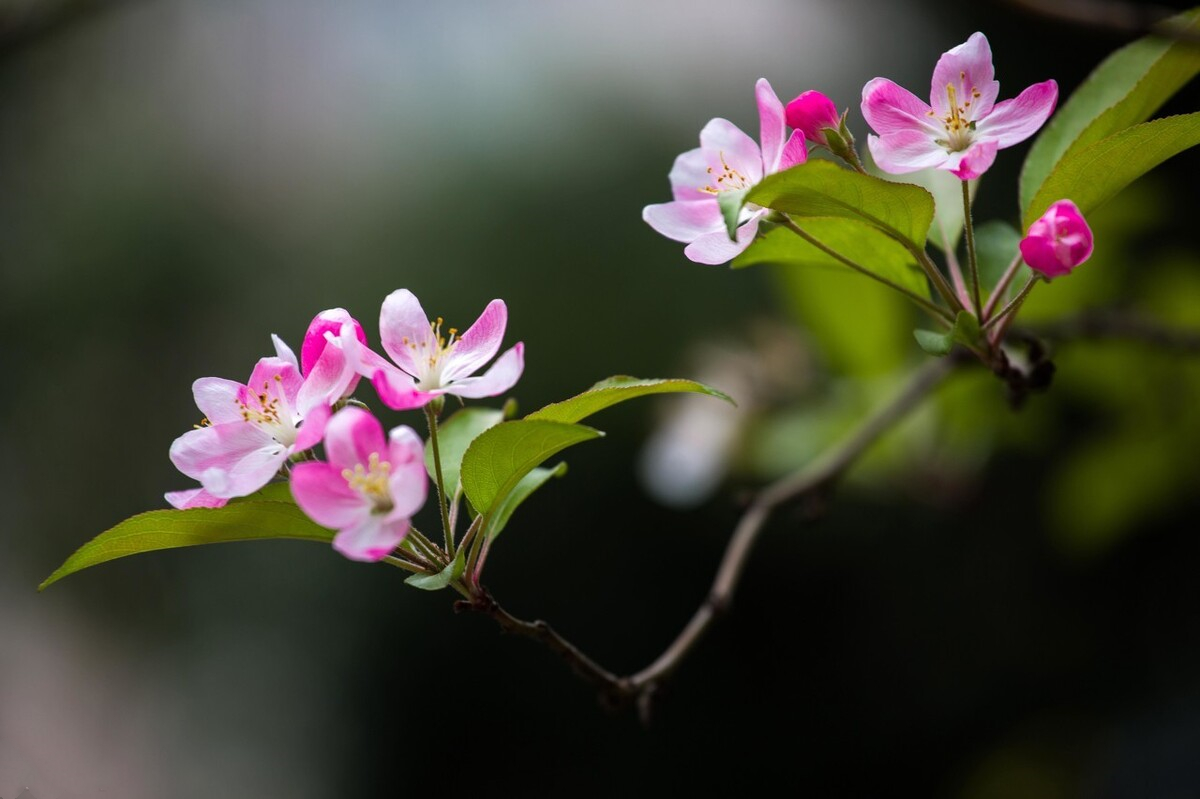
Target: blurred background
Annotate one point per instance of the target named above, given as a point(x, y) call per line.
point(998, 603)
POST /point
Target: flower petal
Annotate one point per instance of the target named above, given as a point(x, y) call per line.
point(716, 248)
point(399, 392)
point(283, 351)
point(277, 379)
point(973, 162)
point(1013, 121)
point(685, 220)
point(689, 175)
point(313, 429)
point(968, 69)
point(315, 340)
point(891, 109)
point(794, 152)
point(372, 539)
point(408, 483)
point(403, 324)
point(217, 399)
point(810, 113)
point(229, 460)
point(193, 498)
point(770, 125)
point(503, 375)
point(323, 493)
point(906, 151)
point(329, 378)
point(479, 344)
point(351, 437)
point(724, 143)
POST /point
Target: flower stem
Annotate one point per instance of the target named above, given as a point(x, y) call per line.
point(1002, 286)
point(972, 260)
point(791, 225)
point(471, 569)
point(423, 547)
point(400, 563)
point(1013, 305)
point(431, 419)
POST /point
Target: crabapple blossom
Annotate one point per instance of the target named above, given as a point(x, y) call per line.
point(726, 160)
point(1058, 241)
point(430, 363)
point(369, 489)
point(963, 126)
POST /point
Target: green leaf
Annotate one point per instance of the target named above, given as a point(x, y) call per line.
point(947, 226)
point(271, 492)
point(856, 240)
point(618, 389)
point(823, 189)
point(169, 529)
point(996, 244)
point(521, 492)
point(1125, 89)
point(731, 203)
point(1094, 174)
point(498, 459)
point(965, 331)
point(454, 436)
point(436, 582)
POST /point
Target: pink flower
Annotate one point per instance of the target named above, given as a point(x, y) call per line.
point(1057, 242)
point(430, 363)
point(811, 113)
point(370, 488)
point(726, 160)
point(248, 433)
point(194, 498)
point(328, 374)
point(963, 127)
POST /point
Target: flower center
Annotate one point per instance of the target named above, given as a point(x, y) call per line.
point(958, 123)
point(431, 352)
point(264, 409)
point(727, 179)
point(371, 481)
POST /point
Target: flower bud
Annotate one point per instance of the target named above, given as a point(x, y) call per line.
point(811, 113)
point(1057, 242)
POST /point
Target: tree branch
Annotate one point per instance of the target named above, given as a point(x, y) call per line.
point(1108, 325)
point(808, 482)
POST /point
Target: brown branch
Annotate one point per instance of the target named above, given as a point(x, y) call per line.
point(1113, 15)
point(809, 482)
point(1115, 325)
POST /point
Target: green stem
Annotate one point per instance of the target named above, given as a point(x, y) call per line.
point(473, 556)
point(431, 419)
point(399, 563)
point(791, 225)
point(969, 229)
point(1002, 286)
point(1013, 305)
point(424, 547)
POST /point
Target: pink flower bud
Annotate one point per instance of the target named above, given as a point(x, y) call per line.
point(811, 113)
point(1058, 242)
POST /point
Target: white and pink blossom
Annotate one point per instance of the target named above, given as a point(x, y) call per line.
point(963, 126)
point(726, 160)
point(428, 362)
point(248, 433)
point(369, 489)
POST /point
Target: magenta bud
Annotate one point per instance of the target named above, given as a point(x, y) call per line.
point(1057, 242)
point(811, 113)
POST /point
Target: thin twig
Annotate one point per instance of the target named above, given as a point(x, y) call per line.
point(1108, 325)
point(817, 477)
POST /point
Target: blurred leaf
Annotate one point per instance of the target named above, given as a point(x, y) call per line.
point(965, 331)
point(858, 241)
point(523, 490)
point(436, 582)
point(1125, 89)
point(731, 203)
point(498, 459)
point(823, 189)
point(454, 436)
point(853, 321)
point(996, 244)
point(169, 529)
point(614, 390)
point(1094, 174)
point(947, 227)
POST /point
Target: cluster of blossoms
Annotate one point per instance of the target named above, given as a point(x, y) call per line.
point(959, 131)
point(371, 485)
